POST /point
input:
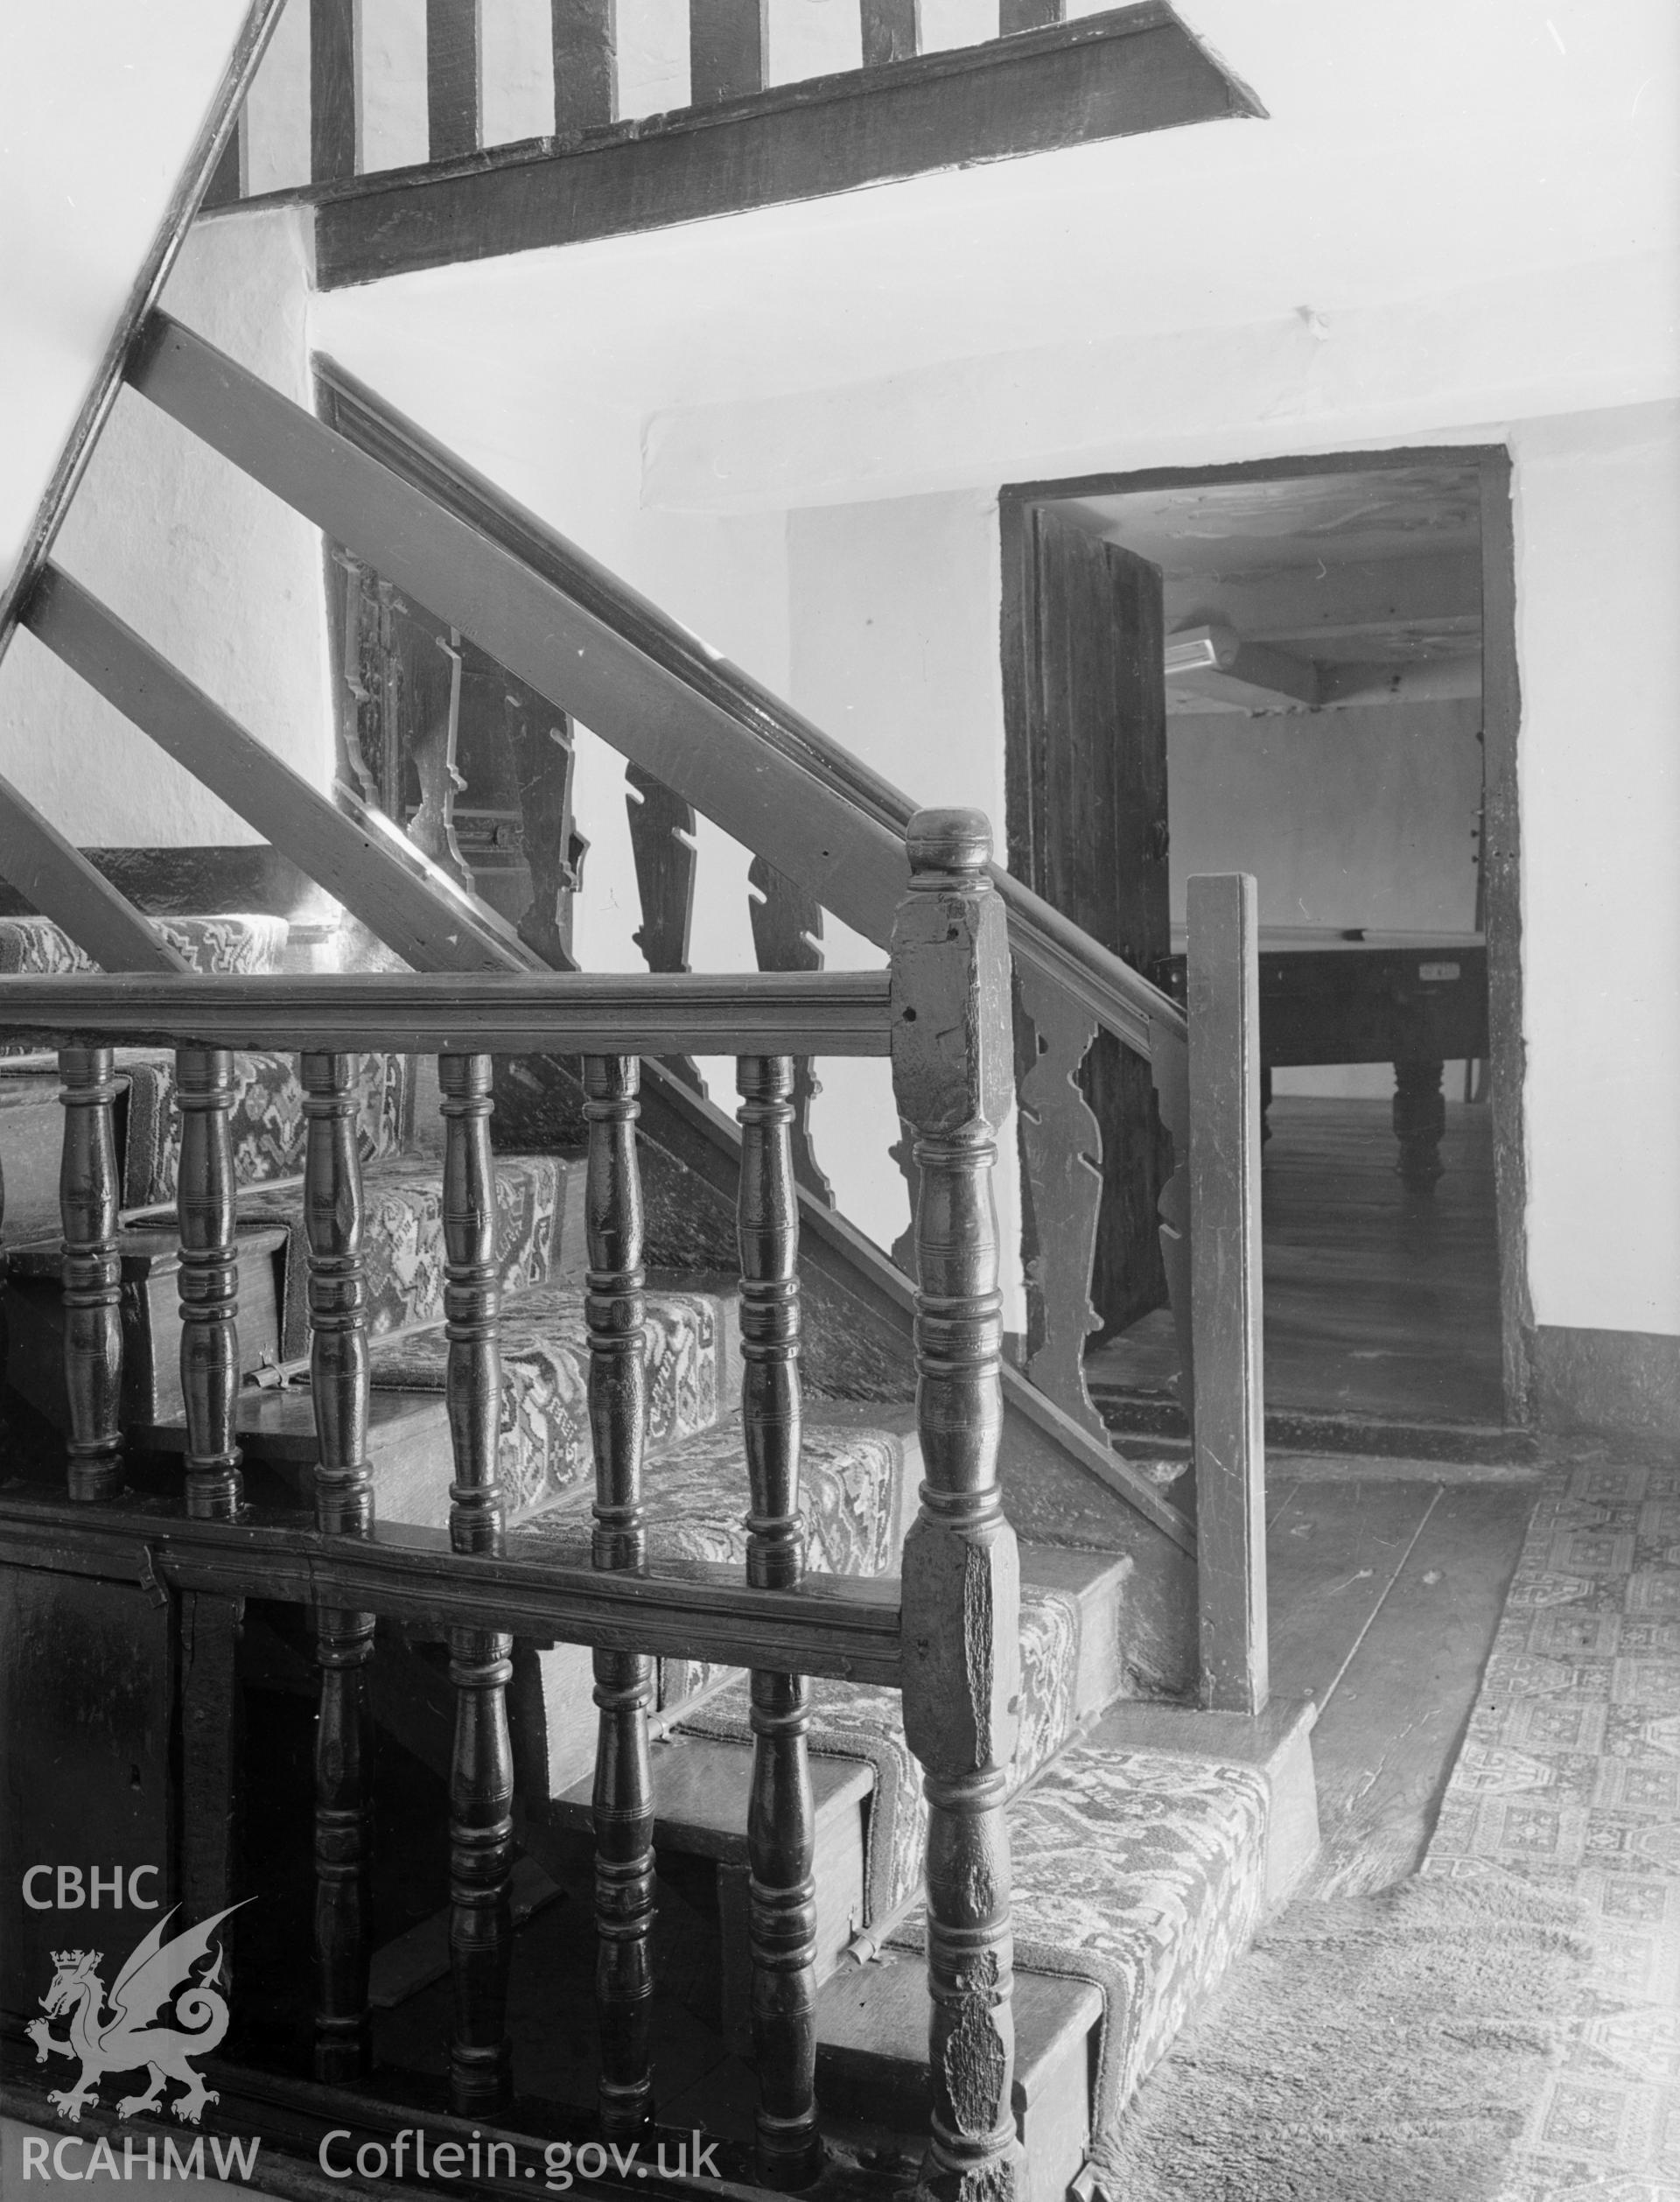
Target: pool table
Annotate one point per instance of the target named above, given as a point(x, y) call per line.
point(1418, 1000)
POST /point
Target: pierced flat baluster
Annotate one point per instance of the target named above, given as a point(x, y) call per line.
point(1061, 1151)
point(953, 1077)
point(344, 1505)
point(204, 1200)
point(481, 1772)
point(661, 840)
point(624, 1681)
point(92, 1273)
point(787, 926)
point(781, 1817)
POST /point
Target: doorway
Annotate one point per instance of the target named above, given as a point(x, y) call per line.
point(1304, 669)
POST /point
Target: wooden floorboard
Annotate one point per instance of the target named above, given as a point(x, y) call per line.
point(1332, 1551)
point(1386, 1742)
point(1379, 1301)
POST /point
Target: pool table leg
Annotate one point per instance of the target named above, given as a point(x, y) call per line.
point(1419, 1119)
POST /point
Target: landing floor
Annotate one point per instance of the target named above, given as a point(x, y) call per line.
point(1386, 1591)
point(1379, 1302)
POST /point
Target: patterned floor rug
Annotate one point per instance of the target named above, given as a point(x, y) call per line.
point(1570, 1779)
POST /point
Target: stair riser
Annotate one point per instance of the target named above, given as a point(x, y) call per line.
point(871, 2062)
point(151, 1312)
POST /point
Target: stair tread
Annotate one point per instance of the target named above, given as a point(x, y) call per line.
point(1142, 1872)
point(701, 1800)
point(876, 2015)
point(857, 1468)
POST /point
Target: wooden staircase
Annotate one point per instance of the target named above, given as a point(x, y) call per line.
point(519, 1526)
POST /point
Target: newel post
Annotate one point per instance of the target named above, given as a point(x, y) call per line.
point(953, 1080)
point(1222, 1001)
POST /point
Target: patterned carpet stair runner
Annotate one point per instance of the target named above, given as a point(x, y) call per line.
point(1142, 1872)
point(403, 1237)
point(693, 1375)
point(860, 1723)
point(231, 941)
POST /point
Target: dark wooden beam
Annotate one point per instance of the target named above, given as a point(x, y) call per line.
point(374, 874)
point(677, 1607)
point(452, 114)
point(246, 875)
point(334, 119)
point(201, 165)
point(227, 186)
point(56, 880)
point(586, 65)
point(1118, 997)
point(504, 1013)
point(500, 593)
point(1113, 75)
point(727, 41)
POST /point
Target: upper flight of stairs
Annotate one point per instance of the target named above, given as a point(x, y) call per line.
point(1148, 1840)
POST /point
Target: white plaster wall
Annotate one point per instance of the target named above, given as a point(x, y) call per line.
point(895, 650)
point(210, 569)
point(1596, 511)
point(578, 467)
point(1362, 817)
point(100, 102)
point(893, 610)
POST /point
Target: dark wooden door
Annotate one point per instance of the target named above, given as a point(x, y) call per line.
point(1093, 729)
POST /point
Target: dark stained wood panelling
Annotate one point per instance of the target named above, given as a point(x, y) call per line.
point(1096, 758)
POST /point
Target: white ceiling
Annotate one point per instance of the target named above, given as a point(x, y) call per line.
point(1215, 531)
point(1413, 147)
point(1373, 568)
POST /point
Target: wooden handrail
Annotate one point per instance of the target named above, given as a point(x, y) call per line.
point(1121, 999)
point(217, 127)
point(555, 1013)
point(691, 1609)
point(556, 618)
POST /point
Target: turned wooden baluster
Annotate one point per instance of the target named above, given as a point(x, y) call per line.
point(787, 926)
point(624, 1681)
point(782, 1820)
point(952, 1075)
point(480, 1661)
point(92, 1273)
point(344, 1505)
point(204, 1200)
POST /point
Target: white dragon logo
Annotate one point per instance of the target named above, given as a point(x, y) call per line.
point(157, 1977)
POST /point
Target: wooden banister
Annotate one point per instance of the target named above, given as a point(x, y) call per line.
point(411, 905)
point(56, 880)
point(558, 619)
point(481, 1660)
point(613, 1309)
point(344, 1508)
point(560, 1012)
point(782, 1814)
point(953, 1080)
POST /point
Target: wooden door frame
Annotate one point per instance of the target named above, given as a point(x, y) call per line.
point(1502, 712)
